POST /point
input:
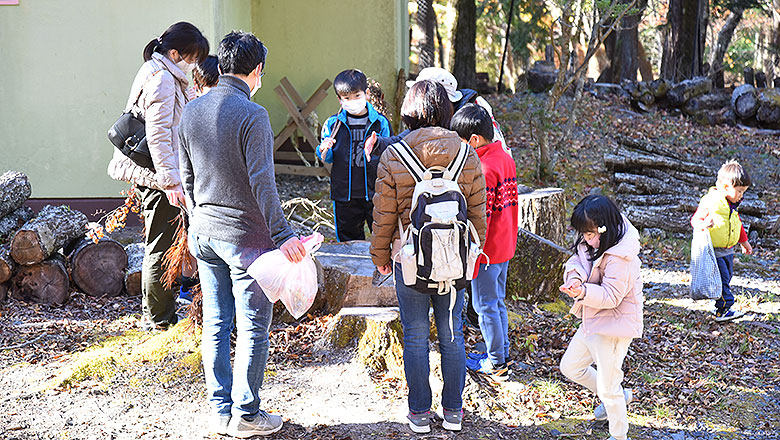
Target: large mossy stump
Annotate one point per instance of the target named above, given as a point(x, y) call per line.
point(536, 270)
point(542, 212)
point(375, 332)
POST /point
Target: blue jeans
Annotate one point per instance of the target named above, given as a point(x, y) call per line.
point(229, 292)
point(488, 291)
point(726, 269)
point(414, 308)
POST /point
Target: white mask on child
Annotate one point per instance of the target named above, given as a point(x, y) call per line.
point(185, 66)
point(354, 106)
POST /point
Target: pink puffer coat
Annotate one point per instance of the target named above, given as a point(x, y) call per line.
point(613, 300)
point(163, 89)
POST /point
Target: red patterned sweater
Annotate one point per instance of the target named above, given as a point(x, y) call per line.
point(501, 208)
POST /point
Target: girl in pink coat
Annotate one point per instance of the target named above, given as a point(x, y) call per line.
point(604, 281)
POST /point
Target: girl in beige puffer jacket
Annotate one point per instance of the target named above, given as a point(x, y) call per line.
point(158, 96)
point(603, 278)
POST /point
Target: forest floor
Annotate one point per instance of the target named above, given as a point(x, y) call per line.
point(87, 371)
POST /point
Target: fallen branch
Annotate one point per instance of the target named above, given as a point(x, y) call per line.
point(23, 344)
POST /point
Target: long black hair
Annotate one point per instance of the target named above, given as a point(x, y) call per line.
point(182, 36)
point(594, 212)
point(426, 105)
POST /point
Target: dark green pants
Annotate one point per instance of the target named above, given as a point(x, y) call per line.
point(159, 304)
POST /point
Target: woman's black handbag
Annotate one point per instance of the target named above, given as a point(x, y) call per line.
point(128, 134)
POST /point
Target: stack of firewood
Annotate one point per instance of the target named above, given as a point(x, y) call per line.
point(752, 104)
point(40, 254)
point(657, 189)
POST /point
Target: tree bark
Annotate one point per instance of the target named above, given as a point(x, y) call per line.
point(722, 45)
point(3, 291)
point(13, 221)
point(681, 92)
point(769, 108)
point(15, 189)
point(708, 103)
point(749, 76)
point(684, 39)
point(44, 283)
point(135, 261)
point(425, 21)
point(7, 264)
point(98, 268)
point(542, 212)
point(53, 228)
point(744, 101)
point(760, 80)
point(622, 48)
point(536, 270)
point(465, 59)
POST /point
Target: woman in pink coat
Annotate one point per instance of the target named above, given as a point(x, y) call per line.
point(604, 281)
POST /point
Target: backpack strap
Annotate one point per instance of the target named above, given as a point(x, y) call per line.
point(409, 160)
point(456, 166)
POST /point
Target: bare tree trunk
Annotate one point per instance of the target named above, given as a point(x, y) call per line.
point(686, 28)
point(724, 39)
point(622, 47)
point(773, 72)
point(439, 43)
point(465, 65)
point(425, 21)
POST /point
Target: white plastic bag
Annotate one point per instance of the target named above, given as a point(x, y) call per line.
point(705, 277)
point(294, 283)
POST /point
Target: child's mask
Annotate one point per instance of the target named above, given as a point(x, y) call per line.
point(354, 106)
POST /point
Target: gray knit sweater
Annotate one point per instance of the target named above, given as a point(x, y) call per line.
point(227, 168)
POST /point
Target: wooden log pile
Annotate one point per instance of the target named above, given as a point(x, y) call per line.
point(657, 189)
point(41, 253)
point(752, 104)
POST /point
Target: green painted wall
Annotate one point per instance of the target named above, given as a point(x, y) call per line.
point(66, 68)
point(309, 41)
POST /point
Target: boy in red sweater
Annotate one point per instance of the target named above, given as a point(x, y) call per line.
point(474, 125)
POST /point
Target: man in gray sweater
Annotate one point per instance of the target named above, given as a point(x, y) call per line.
point(227, 171)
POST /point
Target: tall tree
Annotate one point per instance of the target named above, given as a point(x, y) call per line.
point(622, 47)
point(684, 36)
point(426, 19)
point(465, 64)
point(722, 44)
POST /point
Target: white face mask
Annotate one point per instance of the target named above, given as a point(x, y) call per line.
point(185, 66)
point(257, 86)
point(354, 106)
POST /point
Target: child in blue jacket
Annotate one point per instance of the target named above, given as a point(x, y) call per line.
point(343, 136)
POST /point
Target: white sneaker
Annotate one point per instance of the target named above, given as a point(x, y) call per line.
point(600, 413)
point(261, 424)
point(218, 423)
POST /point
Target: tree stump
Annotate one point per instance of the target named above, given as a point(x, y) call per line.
point(378, 334)
point(542, 76)
point(15, 189)
point(760, 80)
point(542, 212)
point(7, 264)
point(13, 221)
point(98, 268)
point(53, 228)
point(135, 261)
point(44, 283)
point(744, 101)
point(769, 108)
point(749, 76)
point(536, 270)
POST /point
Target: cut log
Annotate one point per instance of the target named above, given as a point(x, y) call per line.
point(666, 217)
point(7, 264)
point(376, 331)
point(708, 103)
point(13, 221)
point(98, 268)
point(53, 228)
point(646, 147)
point(542, 212)
point(44, 283)
point(680, 93)
point(542, 76)
point(626, 160)
point(602, 90)
point(748, 76)
point(3, 291)
point(744, 101)
point(15, 189)
point(135, 261)
point(769, 108)
point(536, 270)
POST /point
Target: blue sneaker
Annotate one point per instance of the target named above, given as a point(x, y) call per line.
point(728, 315)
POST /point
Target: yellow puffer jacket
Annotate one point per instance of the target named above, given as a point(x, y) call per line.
point(725, 233)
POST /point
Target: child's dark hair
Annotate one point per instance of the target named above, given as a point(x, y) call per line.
point(240, 53)
point(206, 73)
point(472, 119)
point(594, 212)
point(426, 104)
point(732, 173)
point(182, 36)
point(350, 81)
